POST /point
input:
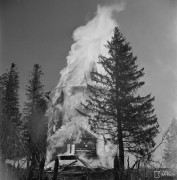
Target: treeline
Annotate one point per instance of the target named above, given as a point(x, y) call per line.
point(23, 134)
point(114, 109)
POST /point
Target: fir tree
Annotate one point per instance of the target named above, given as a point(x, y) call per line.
point(10, 115)
point(34, 119)
point(115, 106)
point(170, 151)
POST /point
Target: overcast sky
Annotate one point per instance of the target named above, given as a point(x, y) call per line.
point(40, 31)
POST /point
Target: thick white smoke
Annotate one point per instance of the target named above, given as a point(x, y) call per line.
point(90, 41)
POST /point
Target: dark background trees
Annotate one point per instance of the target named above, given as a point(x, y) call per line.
point(35, 123)
point(116, 109)
point(11, 138)
point(10, 116)
point(23, 135)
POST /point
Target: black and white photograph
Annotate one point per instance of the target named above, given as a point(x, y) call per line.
point(88, 89)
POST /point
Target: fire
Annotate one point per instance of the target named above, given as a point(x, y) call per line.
point(64, 121)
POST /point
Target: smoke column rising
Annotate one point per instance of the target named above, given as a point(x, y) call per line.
point(90, 41)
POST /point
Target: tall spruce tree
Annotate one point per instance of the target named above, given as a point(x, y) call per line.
point(170, 151)
point(115, 106)
point(10, 116)
point(34, 119)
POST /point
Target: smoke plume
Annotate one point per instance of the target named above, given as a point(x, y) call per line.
point(89, 43)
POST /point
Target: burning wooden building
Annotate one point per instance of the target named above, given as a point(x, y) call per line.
point(69, 132)
point(73, 171)
point(86, 145)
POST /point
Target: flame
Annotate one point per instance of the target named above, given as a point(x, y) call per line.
point(71, 90)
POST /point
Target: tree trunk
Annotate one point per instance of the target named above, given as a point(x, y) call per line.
point(55, 174)
point(41, 168)
point(128, 163)
point(121, 146)
point(119, 129)
point(116, 168)
point(32, 167)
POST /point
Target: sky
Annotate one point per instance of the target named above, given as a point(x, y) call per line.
point(40, 31)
